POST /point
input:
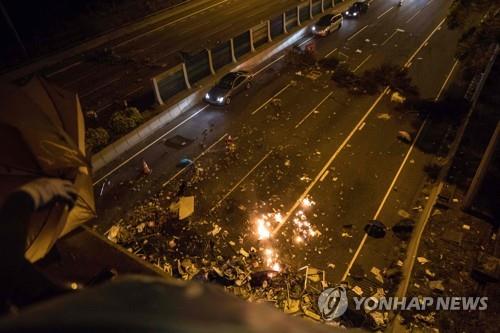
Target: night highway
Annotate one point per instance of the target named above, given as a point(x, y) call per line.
point(293, 172)
point(341, 152)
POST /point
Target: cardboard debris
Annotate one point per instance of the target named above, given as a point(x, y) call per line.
point(358, 290)
point(215, 230)
point(436, 285)
point(429, 273)
point(312, 315)
point(244, 253)
point(397, 98)
point(422, 260)
point(378, 318)
point(291, 305)
point(375, 271)
point(186, 207)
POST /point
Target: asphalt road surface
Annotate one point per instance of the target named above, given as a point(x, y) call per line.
point(313, 163)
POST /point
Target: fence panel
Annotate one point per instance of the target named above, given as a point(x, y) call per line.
point(316, 7)
point(277, 26)
point(197, 65)
point(259, 34)
point(221, 55)
point(304, 12)
point(327, 4)
point(171, 84)
point(242, 44)
point(291, 19)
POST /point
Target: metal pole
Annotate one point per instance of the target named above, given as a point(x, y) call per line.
point(284, 23)
point(186, 78)
point(210, 61)
point(233, 54)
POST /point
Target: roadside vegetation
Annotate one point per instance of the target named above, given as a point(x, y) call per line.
point(372, 81)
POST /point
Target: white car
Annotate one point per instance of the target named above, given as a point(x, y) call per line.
point(327, 24)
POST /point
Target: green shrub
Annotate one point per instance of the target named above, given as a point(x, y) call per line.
point(124, 121)
point(96, 138)
point(134, 114)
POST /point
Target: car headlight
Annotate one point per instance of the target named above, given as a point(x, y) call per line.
point(347, 13)
point(313, 28)
point(220, 99)
point(207, 96)
point(355, 14)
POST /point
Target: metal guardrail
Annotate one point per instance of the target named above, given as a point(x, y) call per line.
point(207, 62)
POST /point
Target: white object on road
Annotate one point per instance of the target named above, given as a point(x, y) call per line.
point(404, 136)
point(422, 260)
point(396, 97)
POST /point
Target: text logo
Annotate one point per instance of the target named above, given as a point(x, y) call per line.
point(332, 303)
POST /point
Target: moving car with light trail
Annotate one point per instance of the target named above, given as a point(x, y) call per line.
point(230, 84)
point(326, 24)
point(357, 8)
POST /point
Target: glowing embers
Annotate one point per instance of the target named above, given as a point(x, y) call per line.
point(266, 223)
point(271, 259)
point(303, 229)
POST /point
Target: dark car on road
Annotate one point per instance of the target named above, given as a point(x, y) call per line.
point(357, 8)
point(327, 24)
point(230, 84)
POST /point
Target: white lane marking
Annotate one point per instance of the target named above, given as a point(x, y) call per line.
point(194, 160)
point(362, 63)
point(268, 65)
point(379, 209)
point(330, 53)
point(343, 54)
point(388, 10)
point(362, 125)
point(388, 38)
point(149, 145)
point(64, 69)
point(324, 175)
point(241, 180)
point(270, 99)
point(329, 162)
point(408, 63)
point(314, 109)
point(446, 81)
point(414, 15)
point(357, 32)
point(133, 91)
point(307, 40)
point(168, 24)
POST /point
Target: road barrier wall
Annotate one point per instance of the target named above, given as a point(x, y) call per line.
point(291, 19)
point(197, 65)
point(276, 26)
point(173, 88)
point(304, 13)
point(242, 44)
point(316, 7)
point(260, 35)
point(221, 55)
point(169, 84)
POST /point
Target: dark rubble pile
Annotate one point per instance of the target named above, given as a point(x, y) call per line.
point(152, 233)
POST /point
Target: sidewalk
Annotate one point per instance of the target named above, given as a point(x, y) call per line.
point(456, 245)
